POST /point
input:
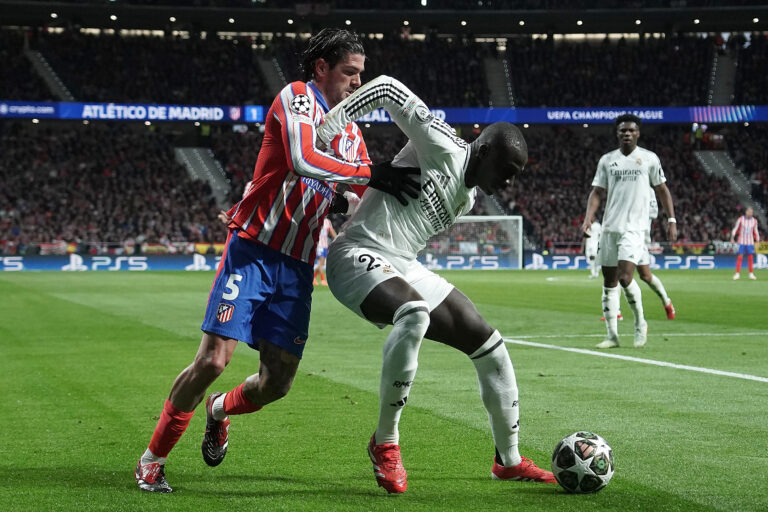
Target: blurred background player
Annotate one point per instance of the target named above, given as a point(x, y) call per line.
point(623, 176)
point(644, 264)
point(373, 270)
point(273, 232)
point(746, 229)
point(590, 246)
point(327, 233)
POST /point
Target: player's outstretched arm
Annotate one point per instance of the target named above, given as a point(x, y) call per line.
point(665, 197)
point(406, 109)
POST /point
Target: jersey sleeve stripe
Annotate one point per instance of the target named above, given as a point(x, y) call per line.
point(377, 96)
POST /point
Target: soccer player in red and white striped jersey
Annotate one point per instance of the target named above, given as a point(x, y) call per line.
point(261, 294)
point(746, 230)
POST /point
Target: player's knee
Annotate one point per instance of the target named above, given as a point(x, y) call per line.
point(209, 367)
point(413, 316)
point(274, 389)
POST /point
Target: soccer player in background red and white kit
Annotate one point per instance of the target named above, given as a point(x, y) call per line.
point(261, 294)
point(746, 228)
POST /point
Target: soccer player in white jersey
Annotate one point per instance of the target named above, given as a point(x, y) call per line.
point(746, 228)
point(623, 176)
point(373, 270)
point(590, 246)
point(644, 264)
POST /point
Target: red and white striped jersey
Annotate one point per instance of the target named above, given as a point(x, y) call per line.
point(746, 229)
point(294, 181)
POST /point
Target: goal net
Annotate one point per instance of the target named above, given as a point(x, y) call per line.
point(483, 242)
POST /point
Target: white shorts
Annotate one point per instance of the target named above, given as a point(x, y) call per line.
point(626, 246)
point(645, 258)
point(354, 270)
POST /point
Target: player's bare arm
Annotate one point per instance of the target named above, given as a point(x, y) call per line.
point(665, 198)
point(593, 203)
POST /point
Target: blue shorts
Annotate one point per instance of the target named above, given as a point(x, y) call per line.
point(746, 249)
point(322, 253)
point(260, 293)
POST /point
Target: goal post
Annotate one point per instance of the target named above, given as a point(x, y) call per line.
point(477, 242)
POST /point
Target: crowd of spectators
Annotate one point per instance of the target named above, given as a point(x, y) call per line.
point(648, 72)
point(552, 192)
point(96, 186)
point(445, 72)
point(151, 69)
point(115, 184)
point(748, 149)
point(751, 83)
point(18, 80)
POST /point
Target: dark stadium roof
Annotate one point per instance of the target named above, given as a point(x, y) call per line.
point(310, 16)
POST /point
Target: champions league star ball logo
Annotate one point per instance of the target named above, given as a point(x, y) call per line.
point(300, 104)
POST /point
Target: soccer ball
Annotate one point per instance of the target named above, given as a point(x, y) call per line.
point(582, 463)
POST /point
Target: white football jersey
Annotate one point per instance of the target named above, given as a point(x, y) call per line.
point(591, 243)
point(433, 147)
point(653, 212)
point(627, 180)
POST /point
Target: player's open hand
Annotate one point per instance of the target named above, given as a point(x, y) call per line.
point(397, 181)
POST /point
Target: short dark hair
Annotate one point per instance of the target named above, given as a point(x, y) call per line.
point(628, 118)
point(331, 45)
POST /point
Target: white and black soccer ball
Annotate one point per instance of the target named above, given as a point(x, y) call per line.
point(583, 462)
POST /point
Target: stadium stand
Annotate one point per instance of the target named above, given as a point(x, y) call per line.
point(747, 147)
point(149, 69)
point(83, 170)
point(18, 81)
point(102, 187)
point(651, 71)
point(552, 193)
point(751, 73)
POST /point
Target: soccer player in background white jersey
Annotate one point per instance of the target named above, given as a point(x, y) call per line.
point(746, 228)
point(623, 177)
point(644, 264)
point(373, 270)
point(590, 245)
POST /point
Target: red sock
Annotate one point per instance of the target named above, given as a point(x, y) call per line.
point(235, 402)
point(738, 263)
point(749, 263)
point(170, 426)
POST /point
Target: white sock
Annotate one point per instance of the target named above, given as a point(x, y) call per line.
point(635, 299)
point(498, 389)
point(611, 310)
point(400, 360)
point(658, 287)
point(149, 458)
point(218, 407)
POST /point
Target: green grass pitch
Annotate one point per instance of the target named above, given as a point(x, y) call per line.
point(87, 359)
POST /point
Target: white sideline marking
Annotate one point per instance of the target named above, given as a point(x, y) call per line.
point(668, 335)
point(744, 376)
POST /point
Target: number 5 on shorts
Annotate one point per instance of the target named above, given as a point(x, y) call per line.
point(232, 290)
